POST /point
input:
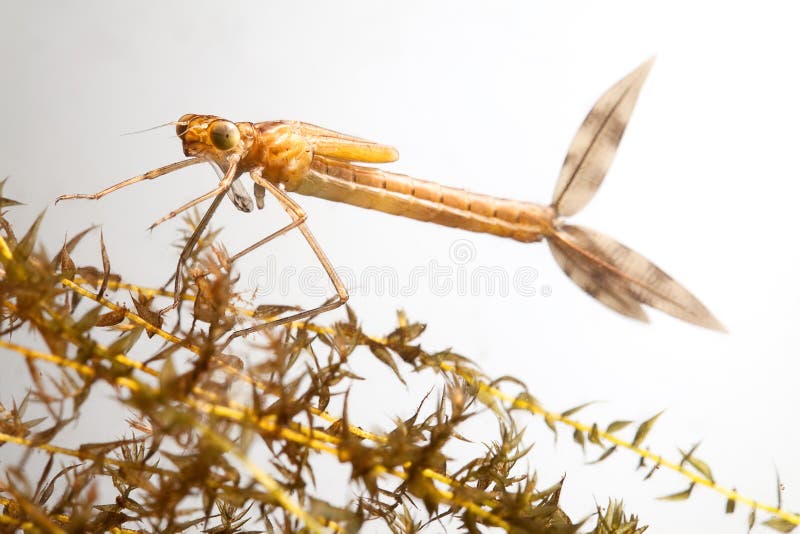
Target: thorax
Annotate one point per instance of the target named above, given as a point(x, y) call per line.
point(283, 155)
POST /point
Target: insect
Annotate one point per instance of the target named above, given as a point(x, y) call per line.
point(294, 157)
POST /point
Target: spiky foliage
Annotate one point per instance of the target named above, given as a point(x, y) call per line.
point(224, 438)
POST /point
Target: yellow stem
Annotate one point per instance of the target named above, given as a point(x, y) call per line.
point(644, 453)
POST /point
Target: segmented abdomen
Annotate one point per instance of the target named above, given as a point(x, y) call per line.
point(425, 201)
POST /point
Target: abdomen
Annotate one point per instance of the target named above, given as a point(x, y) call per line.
point(405, 196)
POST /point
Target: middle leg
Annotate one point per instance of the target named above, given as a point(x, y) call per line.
point(299, 217)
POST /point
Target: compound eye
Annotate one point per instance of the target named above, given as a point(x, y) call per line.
point(224, 134)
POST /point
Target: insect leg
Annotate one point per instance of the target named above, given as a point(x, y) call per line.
point(298, 216)
point(224, 185)
point(258, 191)
point(220, 191)
point(125, 183)
point(187, 252)
point(295, 211)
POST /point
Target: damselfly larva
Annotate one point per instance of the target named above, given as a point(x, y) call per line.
point(294, 157)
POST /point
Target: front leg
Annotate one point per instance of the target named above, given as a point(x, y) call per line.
point(220, 191)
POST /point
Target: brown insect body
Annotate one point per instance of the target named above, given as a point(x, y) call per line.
point(286, 154)
point(291, 156)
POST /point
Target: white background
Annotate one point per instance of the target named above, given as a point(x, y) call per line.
point(484, 96)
